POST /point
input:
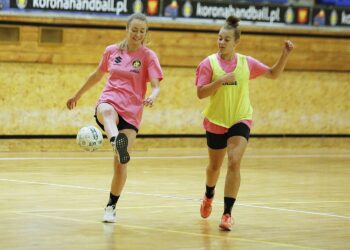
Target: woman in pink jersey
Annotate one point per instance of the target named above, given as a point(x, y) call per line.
point(224, 77)
point(130, 65)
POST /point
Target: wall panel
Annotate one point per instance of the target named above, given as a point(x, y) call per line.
point(33, 97)
point(179, 48)
point(36, 79)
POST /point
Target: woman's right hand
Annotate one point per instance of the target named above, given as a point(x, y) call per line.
point(228, 78)
point(72, 102)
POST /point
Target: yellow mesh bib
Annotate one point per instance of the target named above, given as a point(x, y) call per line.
point(231, 102)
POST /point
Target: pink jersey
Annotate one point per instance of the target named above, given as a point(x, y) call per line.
point(126, 85)
point(204, 76)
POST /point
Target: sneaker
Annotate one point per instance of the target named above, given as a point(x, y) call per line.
point(206, 206)
point(120, 146)
point(110, 214)
point(226, 222)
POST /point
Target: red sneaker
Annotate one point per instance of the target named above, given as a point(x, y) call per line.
point(226, 222)
point(206, 207)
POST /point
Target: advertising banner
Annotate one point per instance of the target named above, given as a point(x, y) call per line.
point(84, 7)
point(189, 10)
point(330, 17)
point(198, 9)
point(258, 13)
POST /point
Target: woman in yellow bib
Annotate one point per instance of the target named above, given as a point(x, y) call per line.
point(224, 77)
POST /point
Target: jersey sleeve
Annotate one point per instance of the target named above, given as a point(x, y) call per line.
point(256, 67)
point(154, 69)
point(204, 73)
point(103, 65)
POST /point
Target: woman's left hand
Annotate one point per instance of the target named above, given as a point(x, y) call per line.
point(288, 46)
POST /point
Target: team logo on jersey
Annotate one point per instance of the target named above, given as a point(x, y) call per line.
point(136, 66)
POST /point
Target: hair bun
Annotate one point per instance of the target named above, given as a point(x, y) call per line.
point(233, 21)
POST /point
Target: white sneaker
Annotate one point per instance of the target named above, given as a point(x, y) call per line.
point(110, 214)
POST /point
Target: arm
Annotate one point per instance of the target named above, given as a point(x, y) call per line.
point(278, 67)
point(211, 88)
point(94, 78)
point(148, 102)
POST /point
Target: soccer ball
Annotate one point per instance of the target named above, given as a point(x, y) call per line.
point(89, 138)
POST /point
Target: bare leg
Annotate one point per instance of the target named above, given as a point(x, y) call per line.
point(216, 157)
point(107, 115)
point(236, 146)
point(120, 170)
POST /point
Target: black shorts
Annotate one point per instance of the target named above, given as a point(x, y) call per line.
point(121, 125)
point(219, 141)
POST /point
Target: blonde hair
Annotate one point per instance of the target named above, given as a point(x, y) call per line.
point(232, 23)
point(123, 45)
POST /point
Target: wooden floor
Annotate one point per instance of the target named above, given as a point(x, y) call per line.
point(290, 198)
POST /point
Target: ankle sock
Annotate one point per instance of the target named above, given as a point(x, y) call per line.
point(112, 200)
point(228, 204)
point(112, 139)
point(209, 191)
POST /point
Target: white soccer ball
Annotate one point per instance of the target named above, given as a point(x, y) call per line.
point(89, 138)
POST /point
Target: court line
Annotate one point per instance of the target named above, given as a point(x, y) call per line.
point(296, 211)
point(164, 230)
point(296, 202)
point(91, 209)
point(179, 198)
point(175, 157)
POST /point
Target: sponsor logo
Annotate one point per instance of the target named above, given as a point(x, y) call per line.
point(320, 18)
point(303, 15)
point(152, 7)
point(187, 9)
point(118, 60)
point(345, 18)
point(235, 83)
point(250, 13)
point(172, 9)
point(289, 16)
point(21, 4)
point(334, 18)
point(137, 6)
point(118, 7)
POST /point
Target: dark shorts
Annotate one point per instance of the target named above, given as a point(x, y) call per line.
point(219, 141)
point(121, 125)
